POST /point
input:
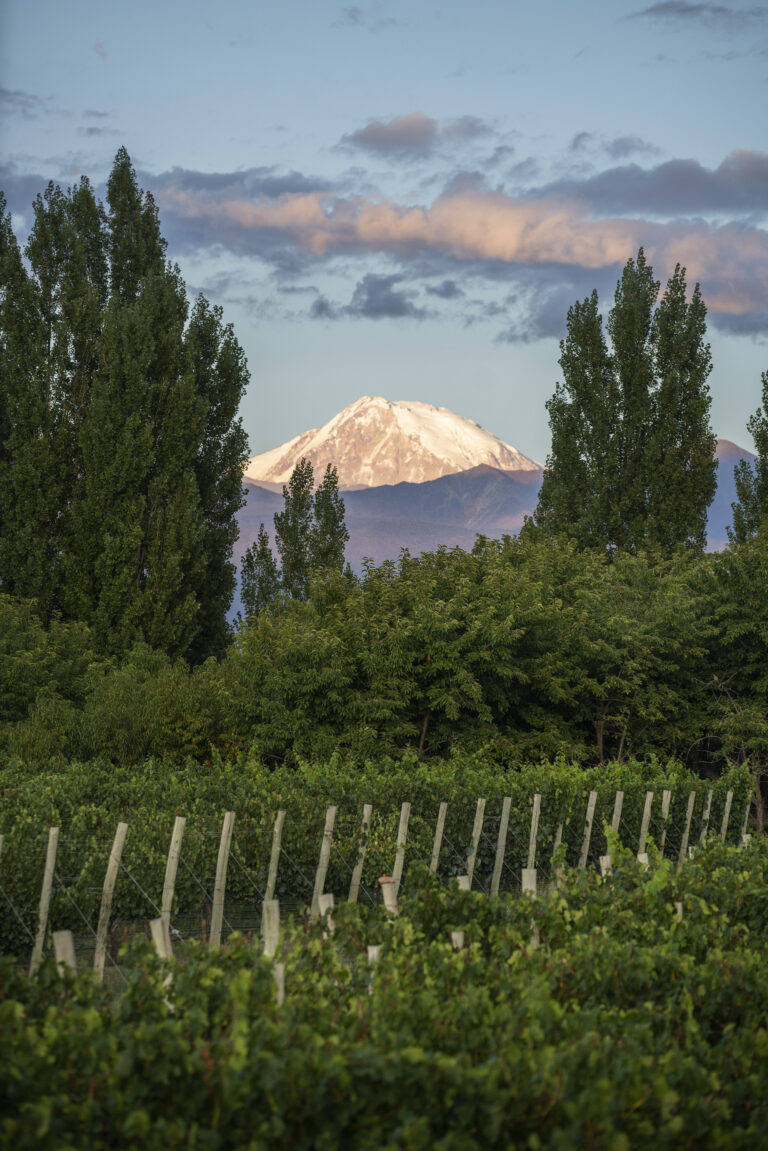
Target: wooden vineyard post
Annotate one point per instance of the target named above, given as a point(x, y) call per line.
point(161, 937)
point(477, 831)
point(274, 859)
point(322, 866)
point(220, 886)
point(592, 801)
point(457, 940)
point(464, 882)
point(100, 954)
point(64, 950)
point(388, 893)
point(270, 926)
point(45, 899)
point(529, 872)
point(617, 806)
point(686, 829)
point(666, 796)
point(501, 845)
point(726, 815)
point(402, 834)
point(642, 855)
point(325, 905)
point(439, 828)
point(705, 817)
point(744, 838)
point(279, 973)
point(357, 874)
point(171, 868)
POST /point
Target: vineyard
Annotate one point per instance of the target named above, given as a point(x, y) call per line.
point(564, 958)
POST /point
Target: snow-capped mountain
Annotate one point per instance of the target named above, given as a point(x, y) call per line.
point(376, 441)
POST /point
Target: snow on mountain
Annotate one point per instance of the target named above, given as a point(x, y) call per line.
point(376, 441)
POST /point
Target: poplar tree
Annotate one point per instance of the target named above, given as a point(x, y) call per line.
point(328, 535)
point(292, 530)
point(632, 458)
point(751, 507)
point(121, 452)
point(260, 579)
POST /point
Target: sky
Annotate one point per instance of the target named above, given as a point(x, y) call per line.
point(404, 198)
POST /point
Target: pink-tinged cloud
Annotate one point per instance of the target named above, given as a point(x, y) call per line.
point(730, 261)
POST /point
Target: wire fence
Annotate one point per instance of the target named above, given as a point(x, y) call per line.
point(492, 845)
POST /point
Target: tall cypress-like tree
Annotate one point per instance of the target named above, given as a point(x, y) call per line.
point(751, 507)
point(120, 445)
point(328, 535)
point(632, 459)
point(220, 376)
point(292, 530)
point(259, 577)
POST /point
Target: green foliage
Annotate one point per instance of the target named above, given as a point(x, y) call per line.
point(259, 577)
point(751, 507)
point(87, 800)
point(624, 1025)
point(328, 535)
point(292, 531)
point(632, 460)
point(129, 414)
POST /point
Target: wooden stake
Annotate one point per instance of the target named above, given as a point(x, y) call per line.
point(588, 829)
point(100, 954)
point(388, 893)
point(325, 905)
point(464, 883)
point(270, 926)
point(220, 887)
point(402, 834)
point(686, 829)
point(171, 868)
point(501, 845)
point(322, 866)
point(644, 824)
point(439, 827)
point(64, 950)
point(617, 806)
point(274, 859)
point(161, 937)
point(357, 874)
point(529, 881)
point(534, 831)
point(666, 796)
point(606, 864)
point(477, 831)
point(705, 817)
point(457, 940)
point(45, 899)
point(726, 815)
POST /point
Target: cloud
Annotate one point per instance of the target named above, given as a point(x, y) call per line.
point(414, 136)
point(24, 105)
point(447, 290)
point(99, 49)
point(710, 15)
point(488, 229)
point(738, 184)
point(323, 309)
point(376, 298)
point(91, 130)
point(623, 146)
point(95, 114)
point(253, 183)
point(409, 136)
point(580, 141)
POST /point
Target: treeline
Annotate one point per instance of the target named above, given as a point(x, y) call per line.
point(527, 646)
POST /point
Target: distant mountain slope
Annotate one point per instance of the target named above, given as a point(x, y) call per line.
point(452, 509)
point(376, 441)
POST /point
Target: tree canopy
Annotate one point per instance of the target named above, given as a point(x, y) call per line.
point(121, 450)
point(632, 459)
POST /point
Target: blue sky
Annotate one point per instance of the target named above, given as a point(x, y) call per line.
point(405, 198)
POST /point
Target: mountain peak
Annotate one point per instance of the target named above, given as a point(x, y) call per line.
point(376, 441)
